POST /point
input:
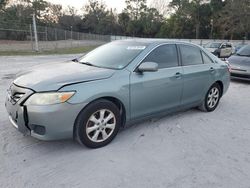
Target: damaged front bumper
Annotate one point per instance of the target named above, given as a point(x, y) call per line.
point(17, 112)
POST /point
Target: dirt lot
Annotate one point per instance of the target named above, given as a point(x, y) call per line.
point(188, 149)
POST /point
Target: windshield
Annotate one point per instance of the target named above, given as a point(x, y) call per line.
point(213, 45)
point(244, 51)
point(114, 55)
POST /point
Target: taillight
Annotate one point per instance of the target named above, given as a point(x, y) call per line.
point(228, 66)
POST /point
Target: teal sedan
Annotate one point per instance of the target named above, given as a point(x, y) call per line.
point(90, 98)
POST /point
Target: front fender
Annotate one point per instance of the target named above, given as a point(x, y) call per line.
point(116, 86)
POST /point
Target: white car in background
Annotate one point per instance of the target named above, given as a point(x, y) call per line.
point(220, 49)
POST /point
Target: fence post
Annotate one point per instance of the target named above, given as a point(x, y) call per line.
point(55, 34)
point(31, 38)
point(71, 32)
point(46, 33)
point(35, 33)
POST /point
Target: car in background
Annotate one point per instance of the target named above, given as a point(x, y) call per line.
point(240, 64)
point(119, 83)
point(220, 49)
point(239, 46)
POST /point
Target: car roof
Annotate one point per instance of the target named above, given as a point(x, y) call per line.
point(149, 41)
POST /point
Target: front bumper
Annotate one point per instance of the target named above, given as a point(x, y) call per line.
point(17, 112)
point(53, 122)
point(50, 122)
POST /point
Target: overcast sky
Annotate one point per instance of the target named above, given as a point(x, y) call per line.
point(78, 4)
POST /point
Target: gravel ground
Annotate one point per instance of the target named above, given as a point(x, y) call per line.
point(188, 149)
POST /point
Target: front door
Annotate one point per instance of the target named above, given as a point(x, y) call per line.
point(152, 92)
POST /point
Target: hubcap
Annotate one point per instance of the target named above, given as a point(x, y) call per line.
point(213, 97)
point(100, 125)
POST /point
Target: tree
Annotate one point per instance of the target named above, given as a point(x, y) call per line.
point(97, 19)
point(178, 5)
point(185, 19)
point(52, 14)
point(196, 10)
point(3, 4)
point(16, 17)
point(161, 5)
point(123, 21)
point(94, 11)
point(191, 15)
point(135, 8)
point(70, 18)
point(234, 18)
point(139, 19)
point(151, 22)
point(38, 7)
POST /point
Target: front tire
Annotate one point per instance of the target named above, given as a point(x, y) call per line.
point(212, 98)
point(98, 124)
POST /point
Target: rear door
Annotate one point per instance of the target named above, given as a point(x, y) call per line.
point(196, 74)
point(152, 92)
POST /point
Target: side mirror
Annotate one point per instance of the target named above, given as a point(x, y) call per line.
point(148, 67)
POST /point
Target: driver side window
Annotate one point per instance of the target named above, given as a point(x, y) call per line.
point(165, 56)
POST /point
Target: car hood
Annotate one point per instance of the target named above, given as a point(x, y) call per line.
point(53, 76)
point(211, 49)
point(239, 62)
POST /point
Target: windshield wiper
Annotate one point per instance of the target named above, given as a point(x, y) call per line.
point(87, 63)
point(90, 64)
point(75, 60)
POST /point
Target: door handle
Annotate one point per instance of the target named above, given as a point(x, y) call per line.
point(212, 70)
point(178, 75)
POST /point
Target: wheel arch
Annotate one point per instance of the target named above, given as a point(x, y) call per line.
point(220, 83)
point(120, 106)
point(115, 101)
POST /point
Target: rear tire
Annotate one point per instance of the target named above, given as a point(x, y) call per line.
point(212, 98)
point(97, 124)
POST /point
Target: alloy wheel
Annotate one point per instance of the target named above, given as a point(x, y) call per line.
point(213, 97)
point(100, 125)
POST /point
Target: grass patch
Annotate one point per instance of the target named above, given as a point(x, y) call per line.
point(77, 50)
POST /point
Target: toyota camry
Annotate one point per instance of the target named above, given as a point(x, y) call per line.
point(90, 98)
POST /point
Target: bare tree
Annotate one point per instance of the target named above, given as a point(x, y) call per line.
point(161, 5)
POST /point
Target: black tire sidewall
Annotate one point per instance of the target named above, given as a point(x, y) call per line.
point(83, 117)
point(206, 99)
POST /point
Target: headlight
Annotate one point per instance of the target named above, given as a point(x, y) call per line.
point(49, 98)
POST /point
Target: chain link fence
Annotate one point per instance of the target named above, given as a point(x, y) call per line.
point(200, 42)
point(17, 36)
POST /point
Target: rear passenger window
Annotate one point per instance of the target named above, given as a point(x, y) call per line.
point(165, 56)
point(190, 55)
point(206, 59)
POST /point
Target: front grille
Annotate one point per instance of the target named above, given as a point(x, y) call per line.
point(17, 96)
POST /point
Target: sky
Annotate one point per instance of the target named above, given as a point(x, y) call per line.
point(78, 4)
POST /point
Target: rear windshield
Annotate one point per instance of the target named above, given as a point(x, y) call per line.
point(114, 55)
point(213, 45)
point(244, 51)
